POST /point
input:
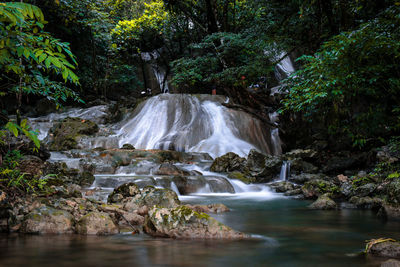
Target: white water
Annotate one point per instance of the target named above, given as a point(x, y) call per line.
point(285, 171)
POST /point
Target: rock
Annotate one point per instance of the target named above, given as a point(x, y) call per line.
point(47, 220)
point(391, 263)
point(384, 248)
point(283, 186)
point(293, 192)
point(25, 146)
point(366, 202)
point(31, 165)
point(390, 212)
point(128, 147)
point(150, 197)
point(123, 191)
point(96, 223)
point(386, 155)
point(339, 164)
point(172, 170)
point(242, 177)
point(316, 188)
point(192, 184)
point(346, 189)
point(210, 208)
point(365, 190)
point(255, 162)
point(228, 163)
point(305, 154)
point(64, 135)
point(271, 170)
point(393, 191)
point(323, 202)
point(305, 177)
point(182, 222)
point(298, 166)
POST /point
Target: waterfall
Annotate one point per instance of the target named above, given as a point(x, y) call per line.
point(159, 72)
point(284, 68)
point(275, 139)
point(195, 124)
point(285, 171)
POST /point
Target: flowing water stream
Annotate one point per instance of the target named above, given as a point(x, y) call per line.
point(286, 232)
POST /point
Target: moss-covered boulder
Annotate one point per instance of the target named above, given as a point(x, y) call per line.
point(393, 191)
point(96, 223)
point(366, 202)
point(123, 191)
point(242, 177)
point(172, 170)
point(182, 222)
point(316, 188)
point(324, 202)
point(47, 220)
point(150, 197)
point(64, 135)
point(228, 163)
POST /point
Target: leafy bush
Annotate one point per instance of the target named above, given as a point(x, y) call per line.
point(353, 82)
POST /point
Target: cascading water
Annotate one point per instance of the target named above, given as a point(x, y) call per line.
point(285, 171)
point(158, 71)
point(198, 126)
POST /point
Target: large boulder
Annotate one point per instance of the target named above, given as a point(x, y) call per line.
point(255, 162)
point(47, 220)
point(384, 248)
point(323, 202)
point(390, 211)
point(228, 163)
point(96, 223)
point(150, 197)
point(366, 202)
point(182, 223)
point(170, 169)
point(192, 184)
point(64, 135)
point(393, 191)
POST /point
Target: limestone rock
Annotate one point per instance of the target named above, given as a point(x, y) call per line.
point(150, 197)
point(183, 223)
point(96, 223)
point(47, 220)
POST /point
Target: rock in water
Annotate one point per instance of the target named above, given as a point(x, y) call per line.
point(324, 202)
point(96, 223)
point(151, 196)
point(182, 222)
point(384, 248)
point(391, 263)
point(47, 220)
point(228, 163)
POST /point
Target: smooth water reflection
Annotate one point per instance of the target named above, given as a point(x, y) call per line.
point(289, 235)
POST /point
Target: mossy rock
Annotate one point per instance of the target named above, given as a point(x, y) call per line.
point(182, 222)
point(316, 188)
point(64, 135)
point(242, 177)
point(228, 163)
point(125, 190)
point(96, 223)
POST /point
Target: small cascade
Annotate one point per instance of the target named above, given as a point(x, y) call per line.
point(275, 139)
point(285, 171)
point(284, 68)
point(158, 71)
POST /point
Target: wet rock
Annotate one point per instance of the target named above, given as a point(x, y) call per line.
point(339, 164)
point(305, 177)
point(294, 192)
point(192, 184)
point(228, 163)
point(219, 185)
point(182, 222)
point(96, 223)
point(47, 220)
point(150, 197)
point(391, 263)
point(242, 177)
point(210, 208)
point(172, 170)
point(283, 186)
point(64, 135)
point(128, 147)
point(366, 202)
point(26, 146)
point(323, 202)
point(384, 248)
point(255, 162)
point(388, 155)
point(123, 191)
point(316, 188)
point(346, 189)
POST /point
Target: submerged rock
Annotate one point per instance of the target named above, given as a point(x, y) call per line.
point(183, 222)
point(96, 223)
point(47, 220)
point(323, 202)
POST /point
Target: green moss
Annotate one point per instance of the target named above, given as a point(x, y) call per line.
point(242, 177)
